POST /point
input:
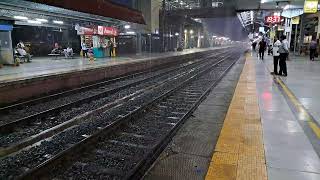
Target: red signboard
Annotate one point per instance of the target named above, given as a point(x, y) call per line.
point(273, 19)
point(98, 30)
point(107, 31)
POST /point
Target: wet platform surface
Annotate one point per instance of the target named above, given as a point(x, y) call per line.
point(287, 103)
point(50, 66)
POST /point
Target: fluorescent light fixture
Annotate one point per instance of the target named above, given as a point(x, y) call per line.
point(277, 14)
point(41, 20)
point(286, 7)
point(177, 34)
point(214, 36)
point(57, 22)
point(263, 1)
point(201, 37)
point(20, 17)
point(34, 22)
point(185, 31)
point(127, 26)
point(191, 31)
point(130, 32)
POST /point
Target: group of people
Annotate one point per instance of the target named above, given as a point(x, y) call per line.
point(280, 55)
point(262, 46)
point(280, 51)
point(88, 52)
point(20, 51)
point(57, 49)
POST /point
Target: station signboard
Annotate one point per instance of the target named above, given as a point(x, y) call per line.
point(107, 31)
point(310, 6)
point(98, 30)
point(273, 19)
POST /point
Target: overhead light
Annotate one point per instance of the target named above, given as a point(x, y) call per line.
point(185, 31)
point(41, 20)
point(177, 34)
point(127, 26)
point(214, 36)
point(33, 22)
point(57, 22)
point(201, 37)
point(191, 31)
point(263, 1)
point(20, 17)
point(286, 7)
point(130, 32)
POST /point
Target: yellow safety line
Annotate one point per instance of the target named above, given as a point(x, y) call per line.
point(239, 153)
point(315, 128)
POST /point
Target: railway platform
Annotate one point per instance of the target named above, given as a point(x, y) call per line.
point(45, 75)
point(269, 128)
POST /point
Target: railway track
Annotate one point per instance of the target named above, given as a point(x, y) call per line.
point(26, 131)
point(124, 150)
point(112, 114)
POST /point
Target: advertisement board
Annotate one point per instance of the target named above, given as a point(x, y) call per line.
point(310, 6)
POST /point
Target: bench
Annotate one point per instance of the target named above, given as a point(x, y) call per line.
point(24, 57)
point(55, 56)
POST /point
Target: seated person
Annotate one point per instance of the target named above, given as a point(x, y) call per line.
point(56, 49)
point(22, 52)
point(68, 52)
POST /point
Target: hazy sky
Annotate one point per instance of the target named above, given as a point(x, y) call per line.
point(229, 27)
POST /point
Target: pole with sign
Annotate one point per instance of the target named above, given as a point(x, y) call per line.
point(295, 20)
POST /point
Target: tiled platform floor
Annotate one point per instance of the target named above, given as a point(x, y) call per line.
point(239, 153)
point(48, 66)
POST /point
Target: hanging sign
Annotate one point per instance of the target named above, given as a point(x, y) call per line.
point(310, 6)
point(295, 20)
point(107, 31)
point(273, 19)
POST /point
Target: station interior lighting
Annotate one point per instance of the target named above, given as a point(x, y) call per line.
point(201, 37)
point(191, 31)
point(57, 22)
point(177, 34)
point(41, 20)
point(33, 22)
point(20, 17)
point(127, 26)
point(130, 32)
point(185, 31)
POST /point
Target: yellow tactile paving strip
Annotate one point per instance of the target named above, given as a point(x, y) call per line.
point(239, 153)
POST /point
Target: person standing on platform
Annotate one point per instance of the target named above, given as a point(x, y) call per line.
point(111, 46)
point(84, 49)
point(262, 48)
point(284, 52)
point(276, 56)
point(313, 49)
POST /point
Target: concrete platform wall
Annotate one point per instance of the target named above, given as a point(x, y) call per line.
point(16, 91)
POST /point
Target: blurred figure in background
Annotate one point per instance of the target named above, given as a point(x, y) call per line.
point(262, 48)
point(313, 48)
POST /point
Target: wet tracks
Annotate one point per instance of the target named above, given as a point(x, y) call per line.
point(128, 143)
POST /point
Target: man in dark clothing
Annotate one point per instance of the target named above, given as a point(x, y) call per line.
point(262, 48)
point(313, 49)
